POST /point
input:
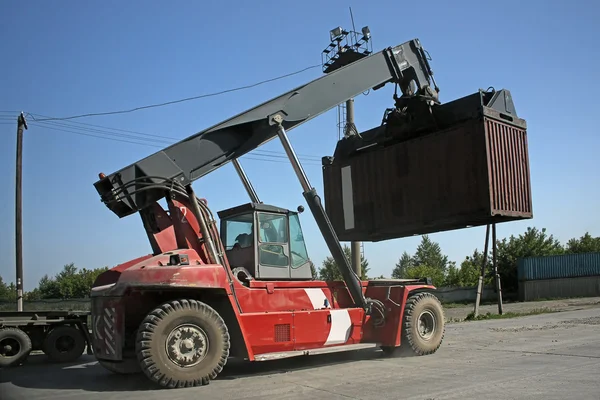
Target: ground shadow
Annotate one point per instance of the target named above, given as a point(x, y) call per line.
point(87, 375)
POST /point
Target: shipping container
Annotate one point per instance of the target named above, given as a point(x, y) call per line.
point(564, 288)
point(468, 167)
point(560, 266)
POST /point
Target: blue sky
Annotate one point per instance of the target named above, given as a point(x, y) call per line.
point(68, 57)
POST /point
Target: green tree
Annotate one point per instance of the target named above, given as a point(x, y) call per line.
point(452, 276)
point(330, 271)
point(69, 283)
point(430, 253)
point(532, 243)
point(585, 244)
point(426, 271)
point(313, 271)
point(468, 273)
point(405, 262)
point(427, 262)
point(7, 291)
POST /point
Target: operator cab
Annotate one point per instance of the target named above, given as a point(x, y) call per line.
point(265, 240)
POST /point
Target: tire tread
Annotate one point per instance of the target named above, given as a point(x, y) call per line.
point(411, 303)
point(147, 331)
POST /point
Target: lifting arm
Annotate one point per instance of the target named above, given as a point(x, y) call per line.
point(141, 184)
point(200, 154)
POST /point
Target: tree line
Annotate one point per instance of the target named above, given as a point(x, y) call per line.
point(428, 260)
point(70, 283)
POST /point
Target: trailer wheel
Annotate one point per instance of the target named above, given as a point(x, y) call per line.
point(182, 343)
point(15, 346)
point(64, 344)
point(424, 323)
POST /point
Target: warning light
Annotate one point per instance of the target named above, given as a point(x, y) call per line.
point(101, 175)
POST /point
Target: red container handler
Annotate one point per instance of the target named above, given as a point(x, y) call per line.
point(472, 171)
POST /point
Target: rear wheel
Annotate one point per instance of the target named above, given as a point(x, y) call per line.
point(64, 344)
point(182, 343)
point(423, 326)
point(15, 347)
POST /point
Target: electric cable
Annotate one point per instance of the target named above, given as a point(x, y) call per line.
point(182, 100)
point(256, 155)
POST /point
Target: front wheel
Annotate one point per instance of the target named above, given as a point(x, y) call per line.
point(182, 343)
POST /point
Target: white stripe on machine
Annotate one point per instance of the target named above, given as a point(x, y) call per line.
point(317, 298)
point(340, 327)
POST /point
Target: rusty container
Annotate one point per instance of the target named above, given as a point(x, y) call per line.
point(472, 172)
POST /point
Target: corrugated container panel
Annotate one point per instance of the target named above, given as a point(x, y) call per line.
point(510, 190)
point(561, 266)
point(471, 174)
point(559, 288)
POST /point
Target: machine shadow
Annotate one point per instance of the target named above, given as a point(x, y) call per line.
point(236, 369)
point(87, 375)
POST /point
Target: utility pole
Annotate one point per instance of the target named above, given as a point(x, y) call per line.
point(351, 129)
point(21, 124)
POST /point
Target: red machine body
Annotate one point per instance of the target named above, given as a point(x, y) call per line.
point(269, 316)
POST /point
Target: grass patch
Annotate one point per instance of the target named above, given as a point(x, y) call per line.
point(511, 314)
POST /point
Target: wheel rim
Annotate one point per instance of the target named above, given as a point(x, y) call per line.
point(187, 345)
point(426, 325)
point(64, 344)
point(9, 347)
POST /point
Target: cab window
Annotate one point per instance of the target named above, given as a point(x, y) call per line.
point(239, 230)
point(297, 245)
point(272, 228)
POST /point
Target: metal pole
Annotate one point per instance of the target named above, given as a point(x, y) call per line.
point(247, 184)
point(21, 124)
point(322, 220)
point(496, 275)
point(482, 274)
point(354, 246)
point(293, 159)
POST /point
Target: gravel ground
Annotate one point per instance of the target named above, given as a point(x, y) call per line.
point(546, 356)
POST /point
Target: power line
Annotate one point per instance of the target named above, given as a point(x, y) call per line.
point(46, 117)
point(67, 126)
point(257, 155)
point(182, 100)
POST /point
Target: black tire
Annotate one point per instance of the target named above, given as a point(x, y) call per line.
point(158, 332)
point(126, 367)
point(64, 344)
point(423, 311)
point(15, 347)
point(412, 342)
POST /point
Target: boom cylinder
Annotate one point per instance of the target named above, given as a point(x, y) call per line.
point(245, 181)
point(322, 220)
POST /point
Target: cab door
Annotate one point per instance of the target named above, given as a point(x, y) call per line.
point(273, 249)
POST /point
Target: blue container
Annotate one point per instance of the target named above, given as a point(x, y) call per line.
point(556, 267)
